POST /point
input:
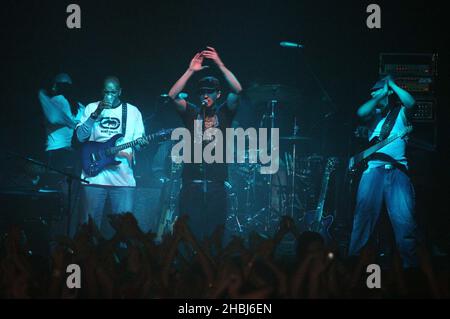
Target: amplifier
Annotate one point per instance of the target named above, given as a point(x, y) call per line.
point(409, 64)
point(424, 136)
point(424, 112)
point(407, 69)
point(422, 86)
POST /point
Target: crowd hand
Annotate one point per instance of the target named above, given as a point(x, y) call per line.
point(19, 286)
point(93, 230)
point(83, 241)
point(427, 268)
point(58, 257)
point(368, 255)
point(234, 285)
point(217, 236)
point(287, 224)
point(319, 262)
point(197, 63)
point(12, 242)
point(14, 267)
point(126, 225)
point(181, 228)
point(149, 242)
point(64, 241)
point(15, 251)
point(235, 245)
point(229, 277)
point(265, 249)
point(255, 239)
point(399, 274)
point(134, 260)
point(211, 53)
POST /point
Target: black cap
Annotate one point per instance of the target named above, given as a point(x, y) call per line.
point(62, 78)
point(209, 82)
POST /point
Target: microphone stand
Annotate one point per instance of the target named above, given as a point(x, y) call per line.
point(70, 178)
point(203, 166)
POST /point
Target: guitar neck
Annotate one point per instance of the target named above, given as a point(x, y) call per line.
point(368, 152)
point(323, 194)
point(117, 149)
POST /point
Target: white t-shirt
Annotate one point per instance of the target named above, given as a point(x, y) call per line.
point(106, 126)
point(60, 121)
point(396, 149)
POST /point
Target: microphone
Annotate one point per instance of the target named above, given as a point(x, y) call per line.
point(286, 44)
point(204, 102)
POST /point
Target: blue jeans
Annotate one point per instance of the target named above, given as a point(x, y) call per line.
point(394, 187)
point(94, 199)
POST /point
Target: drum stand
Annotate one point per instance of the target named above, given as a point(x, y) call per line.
point(271, 105)
point(294, 160)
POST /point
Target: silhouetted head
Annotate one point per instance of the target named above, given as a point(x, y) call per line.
point(61, 83)
point(309, 242)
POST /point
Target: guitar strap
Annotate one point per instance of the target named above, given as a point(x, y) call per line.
point(389, 123)
point(124, 118)
point(385, 131)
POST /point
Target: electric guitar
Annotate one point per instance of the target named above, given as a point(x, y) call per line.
point(96, 156)
point(355, 161)
point(314, 220)
point(171, 191)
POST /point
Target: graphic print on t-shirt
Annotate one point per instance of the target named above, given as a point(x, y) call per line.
point(109, 125)
point(210, 122)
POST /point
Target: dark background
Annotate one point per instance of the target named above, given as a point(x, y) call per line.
point(149, 44)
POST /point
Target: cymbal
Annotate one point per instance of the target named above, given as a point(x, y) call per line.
point(268, 92)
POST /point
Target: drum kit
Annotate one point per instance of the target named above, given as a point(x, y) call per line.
point(256, 201)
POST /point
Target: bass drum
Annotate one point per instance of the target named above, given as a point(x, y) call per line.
point(250, 197)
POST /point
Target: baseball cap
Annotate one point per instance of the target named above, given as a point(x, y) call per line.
point(209, 83)
point(62, 78)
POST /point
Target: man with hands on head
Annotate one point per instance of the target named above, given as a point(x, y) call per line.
point(386, 177)
point(203, 195)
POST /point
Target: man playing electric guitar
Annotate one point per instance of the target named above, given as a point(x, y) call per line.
point(100, 122)
point(385, 179)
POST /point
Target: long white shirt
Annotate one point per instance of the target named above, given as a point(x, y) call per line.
point(61, 122)
point(396, 149)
